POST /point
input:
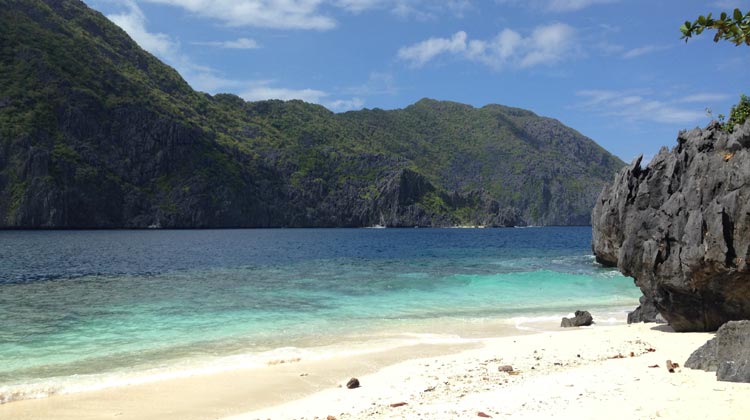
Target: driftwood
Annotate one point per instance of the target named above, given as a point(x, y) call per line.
point(398, 404)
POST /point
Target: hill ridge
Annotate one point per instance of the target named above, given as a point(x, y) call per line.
point(95, 132)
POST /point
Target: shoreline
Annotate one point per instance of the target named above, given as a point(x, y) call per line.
point(455, 380)
point(438, 332)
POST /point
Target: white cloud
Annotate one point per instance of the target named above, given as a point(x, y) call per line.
point(357, 6)
point(237, 44)
point(646, 49)
point(705, 98)
point(341, 105)
point(573, 5)
point(279, 14)
point(556, 5)
point(207, 79)
point(638, 105)
point(421, 10)
point(422, 52)
point(310, 14)
point(262, 90)
point(546, 45)
point(133, 21)
point(202, 78)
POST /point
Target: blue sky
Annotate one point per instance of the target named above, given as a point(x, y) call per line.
point(615, 70)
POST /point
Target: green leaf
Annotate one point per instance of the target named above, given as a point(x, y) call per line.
point(737, 15)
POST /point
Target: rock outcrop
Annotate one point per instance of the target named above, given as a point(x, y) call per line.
point(681, 228)
point(727, 354)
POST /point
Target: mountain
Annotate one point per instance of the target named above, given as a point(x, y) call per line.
point(97, 133)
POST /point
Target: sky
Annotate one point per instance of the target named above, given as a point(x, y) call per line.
point(615, 70)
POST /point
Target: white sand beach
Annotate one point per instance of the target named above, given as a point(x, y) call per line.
point(588, 373)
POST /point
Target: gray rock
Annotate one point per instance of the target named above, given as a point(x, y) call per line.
point(681, 228)
point(728, 353)
point(704, 357)
point(733, 352)
point(645, 312)
point(581, 319)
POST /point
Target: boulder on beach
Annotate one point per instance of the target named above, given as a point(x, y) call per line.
point(581, 319)
point(728, 354)
point(353, 383)
point(680, 226)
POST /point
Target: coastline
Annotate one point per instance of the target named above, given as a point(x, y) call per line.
point(570, 370)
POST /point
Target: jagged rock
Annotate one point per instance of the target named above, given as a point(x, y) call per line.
point(681, 228)
point(704, 357)
point(581, 319)
point(645, 312)
point(728, 353)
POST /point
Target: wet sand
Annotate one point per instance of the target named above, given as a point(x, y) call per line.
point(559, 374)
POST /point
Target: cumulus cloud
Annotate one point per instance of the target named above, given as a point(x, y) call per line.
point(638, 105)
point(422, 52)
point(546, 45)
point(237, 44)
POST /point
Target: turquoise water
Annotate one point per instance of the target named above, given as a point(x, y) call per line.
point(89, 309)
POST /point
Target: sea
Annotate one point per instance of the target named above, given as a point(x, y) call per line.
point(86, 310)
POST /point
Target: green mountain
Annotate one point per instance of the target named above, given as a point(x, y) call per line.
point(96, 132)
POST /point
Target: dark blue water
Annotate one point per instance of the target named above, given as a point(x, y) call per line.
point(83, 308)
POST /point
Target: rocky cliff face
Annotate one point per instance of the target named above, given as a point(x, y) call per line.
point(681, 228)
point(97, 133)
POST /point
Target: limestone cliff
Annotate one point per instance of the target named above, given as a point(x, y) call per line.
point(95, 132)
point(681, 228)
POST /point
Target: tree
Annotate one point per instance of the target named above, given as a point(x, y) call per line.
point(734, 27)
point(738, 114)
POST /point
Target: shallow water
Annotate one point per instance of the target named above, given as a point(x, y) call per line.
point(87, 309)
